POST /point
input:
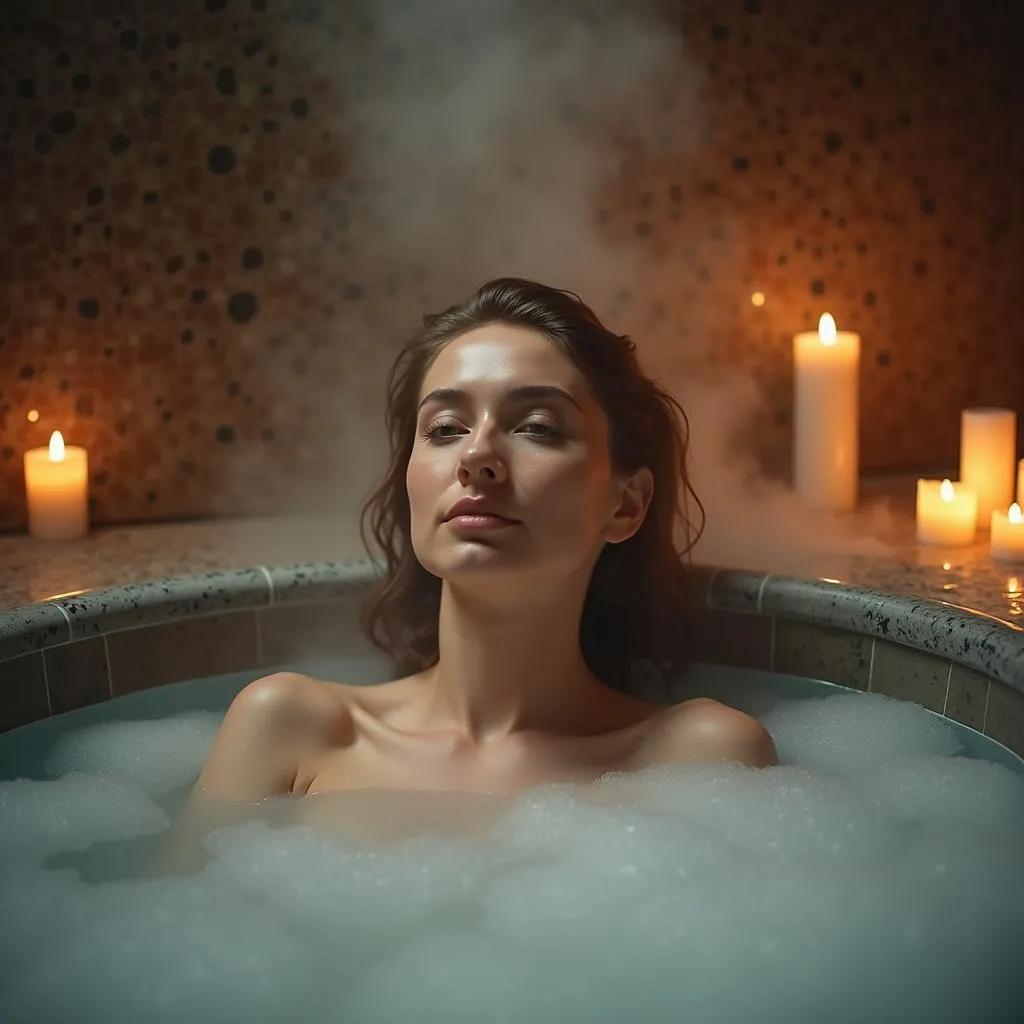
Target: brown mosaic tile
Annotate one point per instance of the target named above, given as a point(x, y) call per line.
point(902, 672)
point(968, 696)
point(22, 691)
point(822, 652)
point(77, 674)
point(1004, 719)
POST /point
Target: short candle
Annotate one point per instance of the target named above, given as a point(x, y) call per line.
point(1007, 542)
point(947, 513)
point(56, 485)
point(988, 453)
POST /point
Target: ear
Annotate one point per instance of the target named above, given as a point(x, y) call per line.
point(635, 493)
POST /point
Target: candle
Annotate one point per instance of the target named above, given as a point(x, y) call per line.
point(1007, 542)
point(827, 365)
point(988, 452)
point(1020, 482)
point(947, 513)
point(56, 484)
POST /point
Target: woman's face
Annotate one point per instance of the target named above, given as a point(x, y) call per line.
point(506, 419)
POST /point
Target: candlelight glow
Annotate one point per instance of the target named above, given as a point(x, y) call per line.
point(56, 446)
point(1013, 585)
point(827, 329)
point(1016, 515)
point(946, 492)
point(947, 566)
point(33, 415)
point(757, 298)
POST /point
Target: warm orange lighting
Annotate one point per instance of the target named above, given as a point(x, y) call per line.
point(1013, 585)
point(1015, 515)
point(946, 492)
point(56, 446)
point(827, 329)
point(33, 415)
point(757, 298)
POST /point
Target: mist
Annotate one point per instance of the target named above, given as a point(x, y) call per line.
point(487, 138)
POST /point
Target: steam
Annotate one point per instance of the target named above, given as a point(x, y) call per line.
point(480, 137)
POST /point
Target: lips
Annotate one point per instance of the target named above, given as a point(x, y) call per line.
point(477, 507)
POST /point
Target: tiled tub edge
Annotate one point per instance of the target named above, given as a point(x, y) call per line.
point(71, 651)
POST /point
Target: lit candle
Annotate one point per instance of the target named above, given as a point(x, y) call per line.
point(1007, 542)
point(56, 484)
point(947, 513)
point(988, 452)
point(827, 365)
point(1020, 482)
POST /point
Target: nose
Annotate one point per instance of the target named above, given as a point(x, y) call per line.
point(480, 462)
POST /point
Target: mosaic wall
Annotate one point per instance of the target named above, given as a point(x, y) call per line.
point(219, 218)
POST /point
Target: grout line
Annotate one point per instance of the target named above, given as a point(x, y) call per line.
point(110, 674)
point(46, 683)
point(984, 717)
point(270, 581)
point(871, 664)
point(760, 594)
point(771, 646)
point(949, 680)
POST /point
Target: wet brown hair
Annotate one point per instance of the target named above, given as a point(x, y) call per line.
point(637, 594)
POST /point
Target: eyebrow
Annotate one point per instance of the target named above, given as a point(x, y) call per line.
point(452, 395)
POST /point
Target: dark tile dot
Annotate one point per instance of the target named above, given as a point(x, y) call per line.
point(928, 205)
point(267, 433)
point(129, 40)
point(269, 124)
point(817, 286)
point(720, 32)
point(81, 82)
point(27, 371)
point(267, 89)
point(198, 296)
point(242, 307)
point(675, 193)
point(174, 264)
point(76, 230)
point(63, 59)
point(753, 6)
point(882, 358)
point(740, 163)
point(782, 259)
point(268, 196)
point(258, 5)
point(203, 256)
point(215, 6)
point(156, 76)
point(95, 195)
point(26, 89)
point(149, 198)
point(857, 79)
point(151, 497)
point(833, 142)
point(869, 298)
point(233, 389)
point(221, 159)
point(187, 336)
point(226, 81)
point(353, 291)
point(252, 257)
point(285, 216)
point(42, 143)
point(225, 434)
point(172, 40)
point(100, 477)
point(84, 405)
point(119, 143)
point(252, 47)
point(920, 268)
point(76, 263)
point(299, 107)
point(89, 308)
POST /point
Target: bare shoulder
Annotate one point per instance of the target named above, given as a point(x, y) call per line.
point(704, 730)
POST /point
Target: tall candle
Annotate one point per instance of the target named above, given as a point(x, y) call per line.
point(56, 484)
point(1007, 541)
point(947, 513)
point(825, 457)
point(988, 453)
point(1020, 482)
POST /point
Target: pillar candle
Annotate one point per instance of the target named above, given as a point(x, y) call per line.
point(988, 453)
point(825, 457)
point(1007, 541)
point(947, 513)
point(1020, 482)
point(56, 485)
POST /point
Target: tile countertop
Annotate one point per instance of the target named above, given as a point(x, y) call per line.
point(32, 571)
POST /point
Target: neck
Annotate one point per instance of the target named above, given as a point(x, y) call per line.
point(508, 664)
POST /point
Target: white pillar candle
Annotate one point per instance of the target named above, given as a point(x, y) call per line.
point(988, 453)
point(825, 457)
point(947, 513)
point(1020, 482)
point(1007, 541)
point(56, 484)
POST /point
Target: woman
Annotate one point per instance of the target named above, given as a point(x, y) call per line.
point(527, 522)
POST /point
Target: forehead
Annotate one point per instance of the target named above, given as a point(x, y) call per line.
point(502, 355)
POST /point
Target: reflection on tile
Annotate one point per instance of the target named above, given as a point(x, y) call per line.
point(732, 638)
point(176, 651)
point(968, 693)
point(736, 591)
point(1004, 720)
point(319, 582)
point(31, 628)
point(909, 675)
point(822, 652)
point(22, 691)
point(77, 674)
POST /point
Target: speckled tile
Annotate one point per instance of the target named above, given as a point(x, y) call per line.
point(77, 674)
point(968, 695)
point(734, 590)
point(176, 651)
point(149, 603)
point(297, 633)
point(22, 691)
point(1004, 720)
point(732, 638)
point(822, 652)
point(317, 582)
point(32, 628)
point(824, 601)
point(909, 674)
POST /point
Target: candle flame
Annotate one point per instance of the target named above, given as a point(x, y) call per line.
point(946, 492)
point(1016, 515)
point(757, 298)
point(827, 329)
point(1013, 585)
point(56, 446)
